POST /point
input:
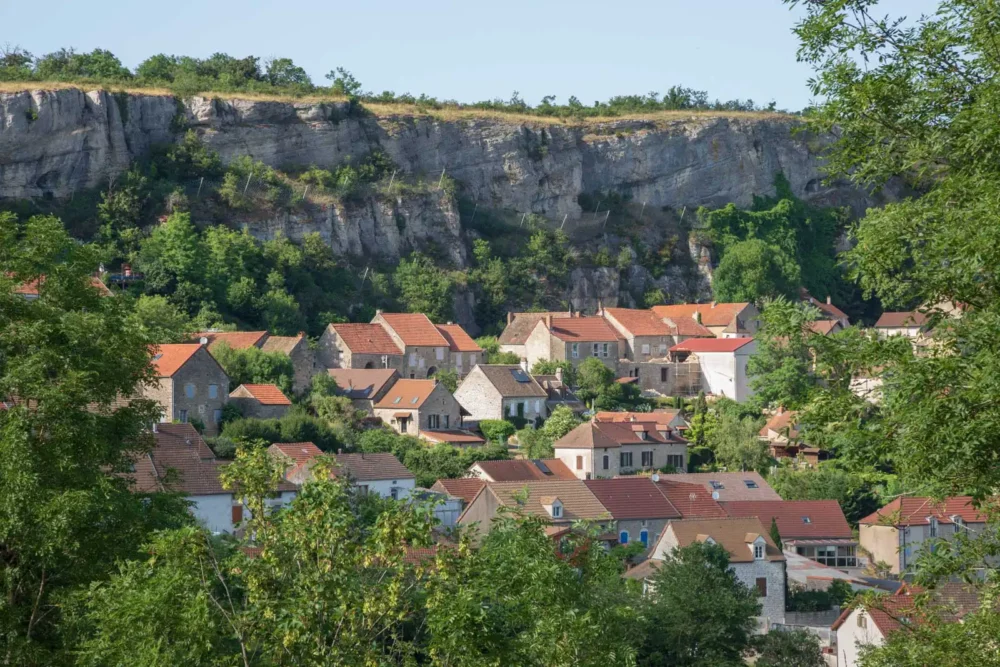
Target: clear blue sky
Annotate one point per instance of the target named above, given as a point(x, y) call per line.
point(467, 50)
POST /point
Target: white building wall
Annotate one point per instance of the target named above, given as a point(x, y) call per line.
point(215, 512)
point(850, 638)
point(725, 373)
point(384, 487)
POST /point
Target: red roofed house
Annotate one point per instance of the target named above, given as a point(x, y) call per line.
point(608, 449)
point(574, 339)
point(909, 324)
point(465, 352)
point(359, 346)
point(236, 340)
point(364, 386)
point(895, 533)
point(520, 325)
point(190, 385)
point(639, 508)
point(723, 364)
point(296, 348)
point(261, 401)
point(415, 406)
point(692, 501)
point(725, 320)
point(781, 433)
point(816, 529)
point(520, 469)
point(380, 473)
point(828, 311)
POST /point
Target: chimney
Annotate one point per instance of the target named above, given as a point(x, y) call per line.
point(340, 451)
point(571, 313)
point(378, 311)
point(548, 320)
point(524, 364)
point(559, 373)
point(714, 304)
point(828, 299)
point(697, 316)
point(600, 307)
point(449, 322)
point(510, 317)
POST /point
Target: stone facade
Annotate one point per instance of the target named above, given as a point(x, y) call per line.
point(607, 462)
point(542, 345)
point(669, 378)
point(653, 528)
point(303, 356)
point(438, 411)
point(483, 400)
point(197, 390)
point(251, 407)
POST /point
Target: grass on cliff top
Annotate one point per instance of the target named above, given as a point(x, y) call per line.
point(444, 113)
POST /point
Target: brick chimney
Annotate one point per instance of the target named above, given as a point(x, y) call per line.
point(510, 317)
point(548, 320)
point(524, 364)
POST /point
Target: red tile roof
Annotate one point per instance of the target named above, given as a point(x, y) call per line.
point(825, 518)
point(711, 344)
point(168, 358)
point(656, 417)
point(827, 309)
point(300, 453)
point(366, 339)
point(361, 467)
point(692, 501)
point(237, 340)
point(823, 327)
point(362, 382)
point(712, 315)
point(415, 329)
point(407, 394)
point(632, 498)
point(525, 469)
point(681, 326)
point(266, 394)
point(782, 422)
point(639, 322)
point(601, 435)
point(583, 329)
point(455, 436)
point(901, 319)
point(458, 340)
point(909, 511)
point(730, 485)
point(465, 488)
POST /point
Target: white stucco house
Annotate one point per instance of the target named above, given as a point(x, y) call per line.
point(379, 473)
point(723, 363)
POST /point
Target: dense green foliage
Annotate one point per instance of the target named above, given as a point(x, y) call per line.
point(252, 365)
point(754, 269)
point(427, 463)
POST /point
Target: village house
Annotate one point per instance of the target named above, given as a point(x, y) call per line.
point(520, 325)
point(722, 362)
point(816, 529)
point(559, 393)
point(671, 417)
point(426, 349)
point(646, 336)
point(181, 462)
point(911, 324)
point(828, 311)
point(296, 348)
point(638, 507)
point(560, 503)
point(190, 385)
point(363, 346)
point(753, 557)
point(364, 386)
point(412, 407)
point(781, 434)
point(608, 449)
point(496, 391)
point(574, 339)
point(260, 401)
point(895, 534)
point(724, 320)
point(465, 352)
point(516, 470)
point(379, 473)
point(729, 486)
point(692, 501)
point(464, 489)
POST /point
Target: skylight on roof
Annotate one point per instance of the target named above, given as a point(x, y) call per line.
point(716, 485)
point(414, 400)
point(397, 399)
point(750, 484)
point(520, 375)
point(157, 356)
point(806, 519)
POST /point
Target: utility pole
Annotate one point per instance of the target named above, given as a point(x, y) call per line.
point(441, 180)
point(564, 221)
point(248, 183)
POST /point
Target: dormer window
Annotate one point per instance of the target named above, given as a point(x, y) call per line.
point(643, 435)
point(758, 552)
point(553, 506)
point(958, 521)
point(716, 486)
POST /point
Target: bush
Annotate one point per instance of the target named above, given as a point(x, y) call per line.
point(496, 431)
point(250, 183)
point(255, 366)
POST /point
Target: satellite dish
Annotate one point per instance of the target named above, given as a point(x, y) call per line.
point(656, 477)
point(715, 495)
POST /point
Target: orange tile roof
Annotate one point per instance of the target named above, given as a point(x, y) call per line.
point(366, 339)
point(586, 329)
point(730, 485)
point(407, 394)
point(682, 326)
point(168, 358)
point(827, 309)
point(639, 322)
point(782, 422)
point(711, 344)
point(237, 340)
point(825, 518)
point(525, 469)
point(266, 394)
point(691, 500)
point(656, 417)
point(415, 329)
point(712, 315)
point(910, 511)
point(731, 534)
point(362, 382)
point(823, 327)
point(632, 498)
point(458, 339)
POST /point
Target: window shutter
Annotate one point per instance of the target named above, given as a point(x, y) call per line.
point(762, 586)
point(237, 514)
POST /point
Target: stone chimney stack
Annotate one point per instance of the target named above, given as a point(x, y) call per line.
point(524, 364)
point(548, 320)
point(828, 300)
point(559, 373)
point(510, 317)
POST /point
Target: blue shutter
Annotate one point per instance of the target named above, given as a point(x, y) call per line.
point(644, 537)
point(623, 537)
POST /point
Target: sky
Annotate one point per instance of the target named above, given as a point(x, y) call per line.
point(465, 50)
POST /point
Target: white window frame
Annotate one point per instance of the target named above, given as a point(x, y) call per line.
point(758, 552)
point(605, 348)
point(648, 454)
point(597, 349)
point(433, 421)
point(575, 350)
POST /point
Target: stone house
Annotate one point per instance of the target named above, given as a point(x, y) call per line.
point(261, 401)
point(647, 336)
point(181, 462)
point(912, 324)
point(897, 532)
point(574, 339)
point(729, 486)
point(519, 327)
point(359, 346)
point(608, 449)
point(364, 386)
point(496, 391)
point(380, 473)
point(465, 352)
point(722, 363)
point(828, 311)
point(426, 349)
point(190, 385)
point(638, 507)
point(725, 320)
point(303, 357)
point(753, 556)
point(413, 406)
point(816, 529)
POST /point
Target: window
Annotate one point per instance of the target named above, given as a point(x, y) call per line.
point(520, 409)
point(647, 459)
point(625, 460)
point(213, 391)
point(604, 350)
point(676, 460)
point(959, 523)
point(806, 519)
point(575, 350)
point(511, 409)
point(363, 489)
point(663, 348)
point(762, 586)
point(440, 354)
point(644, 537)
point(579, 463)
point(597, 350)
point(538, 406)
point(645, 348)
point(862, 620)
point(642, 435)
point(237, 513)
point(716, 486)
point(413, 358)
point(447, 421)
point(758, 551)
point(934, 527)
point(623, 537)
point(189, 390)
point(394, 492)
point(184, 416)
point(607, 461)
point(413, 376)
point(216, 416)
point(750, 484)
point(557, 511)
point(637, 372)
point(433, 421)
point(663, 373)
